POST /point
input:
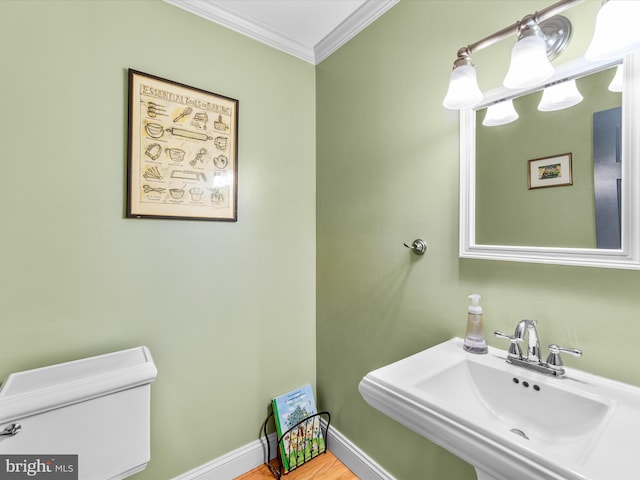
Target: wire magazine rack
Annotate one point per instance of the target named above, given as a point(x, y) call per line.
point(278, 467)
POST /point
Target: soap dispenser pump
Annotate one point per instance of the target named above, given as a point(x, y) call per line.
point(474, 340)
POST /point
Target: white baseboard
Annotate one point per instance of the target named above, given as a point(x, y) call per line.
point(355, 459)
point(234, 463)
point(252, 455)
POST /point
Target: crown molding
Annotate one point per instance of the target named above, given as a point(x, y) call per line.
point(314, 54)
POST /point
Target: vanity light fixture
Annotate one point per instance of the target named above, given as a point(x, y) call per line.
point(500, 113)
point(537, 34)
point(559, 96)
point(616, 32)
point(616, 35)
point(463, 84)
point(529, 62)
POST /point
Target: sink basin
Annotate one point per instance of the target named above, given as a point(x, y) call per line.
point(509, 422)
point(478, 392)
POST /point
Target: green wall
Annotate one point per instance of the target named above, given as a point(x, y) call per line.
point(387, 173)
point(215, 302)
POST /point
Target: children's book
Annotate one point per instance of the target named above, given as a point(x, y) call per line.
point(305, 441)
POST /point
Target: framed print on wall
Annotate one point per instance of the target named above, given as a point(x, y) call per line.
point(182, 158)
point(555, 171)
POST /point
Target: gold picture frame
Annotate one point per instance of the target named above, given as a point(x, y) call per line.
point(182, 151)
point(554, 171)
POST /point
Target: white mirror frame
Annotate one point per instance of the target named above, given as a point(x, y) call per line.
point(628, 256)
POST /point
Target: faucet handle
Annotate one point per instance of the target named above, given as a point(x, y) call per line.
point(514, 347)
point(554, 360)
point(576, 352)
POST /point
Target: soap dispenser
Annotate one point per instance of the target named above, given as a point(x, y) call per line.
point(474, 340)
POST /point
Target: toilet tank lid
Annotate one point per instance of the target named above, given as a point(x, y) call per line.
point(33, 391)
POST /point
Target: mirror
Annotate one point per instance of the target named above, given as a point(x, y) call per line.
point(562, 145)
point(506, 213)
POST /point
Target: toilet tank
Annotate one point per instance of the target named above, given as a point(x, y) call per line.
point(97, 408)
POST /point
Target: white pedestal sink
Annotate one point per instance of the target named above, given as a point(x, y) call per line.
point(510, 422)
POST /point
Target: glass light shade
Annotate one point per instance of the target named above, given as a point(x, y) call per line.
point(562, 95)
point(616, 32)
point(500, 114)
point(618, 79)
point(529, 63)
point(463, 89)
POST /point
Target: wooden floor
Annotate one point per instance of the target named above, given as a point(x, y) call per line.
point(323, 467)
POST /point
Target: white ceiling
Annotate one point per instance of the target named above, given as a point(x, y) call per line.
point(308, 29)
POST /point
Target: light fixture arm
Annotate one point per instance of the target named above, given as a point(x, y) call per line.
point(506, 32)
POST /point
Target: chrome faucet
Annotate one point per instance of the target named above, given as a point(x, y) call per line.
point(533, 359)
point(528, 327)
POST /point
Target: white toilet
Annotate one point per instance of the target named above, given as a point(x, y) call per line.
point(97, 408)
